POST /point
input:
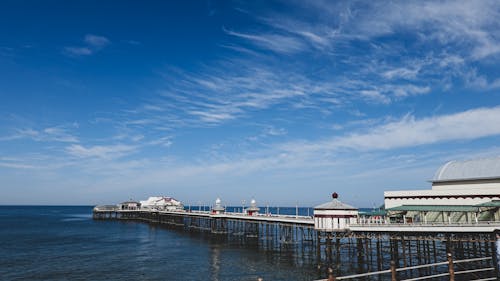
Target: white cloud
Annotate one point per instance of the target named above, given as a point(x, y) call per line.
point(375, 96)
point(273, 131)
point(96, 41)
point(401, 91)
point(409, 132)
point(274, 42)
point(474, 80)
point(93, 43)
point(100, 151)
point(78, 51)
point(50, 134)
point(401, 72)
point(163, 141)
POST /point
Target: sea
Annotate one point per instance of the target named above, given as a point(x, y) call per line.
point(65, 243)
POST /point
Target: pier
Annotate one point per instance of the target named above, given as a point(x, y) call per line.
point(368, 247)
point(458, 220)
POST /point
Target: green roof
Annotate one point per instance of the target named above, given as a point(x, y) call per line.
point(494, 203)
point(435, 208)
point(373, 213)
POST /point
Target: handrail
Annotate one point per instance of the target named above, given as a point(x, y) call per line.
point(389, 224)
point(450, 273)
point(471, 260)
point(474, 270)
point(428, 277)
point(363, 274)
point(421, 266)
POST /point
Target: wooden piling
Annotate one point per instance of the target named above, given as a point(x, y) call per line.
point(451, 269)
point(331, 277)
point(394, 274)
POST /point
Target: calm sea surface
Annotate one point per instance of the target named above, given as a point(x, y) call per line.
point(64, 243)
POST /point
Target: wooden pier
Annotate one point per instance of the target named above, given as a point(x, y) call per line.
point(364, 247)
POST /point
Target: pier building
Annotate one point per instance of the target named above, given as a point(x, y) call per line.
point(462, 192)
point(161, 203)
point(253, 209)
point(334, 215)
point(218, 209)
point(129, 205)
point(465, 183)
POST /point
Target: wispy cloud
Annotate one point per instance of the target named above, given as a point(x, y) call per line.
point(410, 132)
point(166, 141)
point(92, 44)
point(78, 51)
point(49, 134)
point(375, 96)
point(96, 41)
point(100, 151)
point(274, 42)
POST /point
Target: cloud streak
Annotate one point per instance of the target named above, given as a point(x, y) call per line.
point(92, 44)
point(100, 151)
point(411, 132)
point(49, 134)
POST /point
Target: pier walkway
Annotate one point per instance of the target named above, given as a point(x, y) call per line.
point(481, 227)
point(283, 219)
point(308, 221)
point(371, 246)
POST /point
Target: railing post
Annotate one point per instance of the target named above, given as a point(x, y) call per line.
point(450, 267)
point(394, 276)
point(331, 277)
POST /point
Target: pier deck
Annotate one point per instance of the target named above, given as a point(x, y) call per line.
point(481, 227)
point(369, 245)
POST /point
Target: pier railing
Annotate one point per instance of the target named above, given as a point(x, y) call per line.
point(412, 224)
point(455, 267)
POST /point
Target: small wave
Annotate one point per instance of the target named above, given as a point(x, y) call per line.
point(77, 217)
point(74, 219)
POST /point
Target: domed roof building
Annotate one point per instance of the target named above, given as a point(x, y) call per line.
point(253, 209)
point(217, 208)
point(468, 170)
point(460, 191)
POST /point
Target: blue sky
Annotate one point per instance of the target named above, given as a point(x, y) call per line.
point(283, 101)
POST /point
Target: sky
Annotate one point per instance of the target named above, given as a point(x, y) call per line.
point(281, 101)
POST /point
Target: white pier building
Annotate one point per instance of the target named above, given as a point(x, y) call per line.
point(462, 191)
point(334, 215)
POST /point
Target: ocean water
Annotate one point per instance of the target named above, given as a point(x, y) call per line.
point(65, 243)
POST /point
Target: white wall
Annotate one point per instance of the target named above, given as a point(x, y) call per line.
point(440, 190)
point(330, 220)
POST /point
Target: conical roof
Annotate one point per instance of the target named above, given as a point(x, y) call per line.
point(335, 204)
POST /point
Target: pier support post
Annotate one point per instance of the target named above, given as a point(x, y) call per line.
point(394, 274)
point(331, 277)
point(393, 271)
point(450, 267)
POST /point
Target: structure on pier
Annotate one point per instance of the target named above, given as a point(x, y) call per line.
point(129, 205)
point(253, 209)
point(462, 191)
point(218, 209)
point(334, 215)
point(162, 203)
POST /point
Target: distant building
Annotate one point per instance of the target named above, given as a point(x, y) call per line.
point(462, 191)
point(334, 215)
point(162, 203)
point(253, 209)
point(217, 208)
point(129, 205)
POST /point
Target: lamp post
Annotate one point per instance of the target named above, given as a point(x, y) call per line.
point(297, 209)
